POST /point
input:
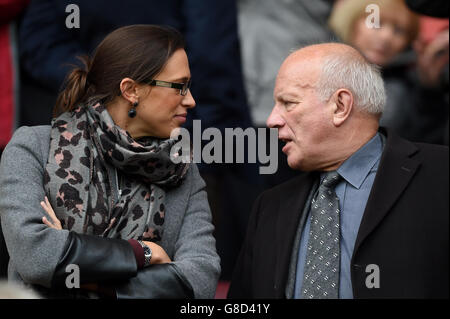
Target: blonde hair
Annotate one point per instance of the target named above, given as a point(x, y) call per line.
point(346, 13)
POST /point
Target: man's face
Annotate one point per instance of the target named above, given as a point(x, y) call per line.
point(304, 122)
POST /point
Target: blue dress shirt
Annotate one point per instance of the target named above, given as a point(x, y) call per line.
point(358, 173)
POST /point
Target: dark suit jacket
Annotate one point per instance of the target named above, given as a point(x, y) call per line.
point(404, 229)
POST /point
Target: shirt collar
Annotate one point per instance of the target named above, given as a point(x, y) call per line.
point(356, 168)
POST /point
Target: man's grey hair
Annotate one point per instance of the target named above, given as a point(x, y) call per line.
point(363, 79)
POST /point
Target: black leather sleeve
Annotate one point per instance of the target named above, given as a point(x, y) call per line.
point(162, 281)
point(98, 259)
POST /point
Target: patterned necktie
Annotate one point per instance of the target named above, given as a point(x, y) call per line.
point(321, 273)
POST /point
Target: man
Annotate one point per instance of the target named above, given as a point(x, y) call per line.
point(368, 215)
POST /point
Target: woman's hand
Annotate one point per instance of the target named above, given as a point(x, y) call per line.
point(55, 223)
point(159, 255)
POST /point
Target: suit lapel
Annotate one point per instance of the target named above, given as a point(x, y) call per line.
point(290, 210)
point(395, 171)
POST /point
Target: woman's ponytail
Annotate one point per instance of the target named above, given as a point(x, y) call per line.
point(138, 52)
point(77, 88)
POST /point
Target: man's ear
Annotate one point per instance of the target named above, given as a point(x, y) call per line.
point(128, 90)
point(343, 105)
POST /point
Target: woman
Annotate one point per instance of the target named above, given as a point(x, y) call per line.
point(414, 109)
point(133, 223)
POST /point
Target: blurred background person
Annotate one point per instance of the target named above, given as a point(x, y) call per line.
point(432, 63)
point(417, 107)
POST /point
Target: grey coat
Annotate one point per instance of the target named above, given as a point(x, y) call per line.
point(35, 249)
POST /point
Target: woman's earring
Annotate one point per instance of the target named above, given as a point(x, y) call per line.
point(132, 112)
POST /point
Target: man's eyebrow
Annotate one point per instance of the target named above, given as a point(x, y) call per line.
point(304, 85)
point(287, 95)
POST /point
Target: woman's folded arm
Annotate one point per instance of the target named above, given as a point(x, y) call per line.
point(100, 260)
point(38, 253)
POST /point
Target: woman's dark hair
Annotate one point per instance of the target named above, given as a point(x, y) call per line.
point(138, 52)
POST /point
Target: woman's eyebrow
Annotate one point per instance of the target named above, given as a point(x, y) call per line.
point(182, 79)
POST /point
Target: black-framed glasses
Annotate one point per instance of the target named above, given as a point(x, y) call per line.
point(183, 87)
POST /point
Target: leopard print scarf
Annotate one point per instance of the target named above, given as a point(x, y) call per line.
point(87, 150)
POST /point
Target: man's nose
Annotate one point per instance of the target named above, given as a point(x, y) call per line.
point(275, 120)
point(188, 100)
